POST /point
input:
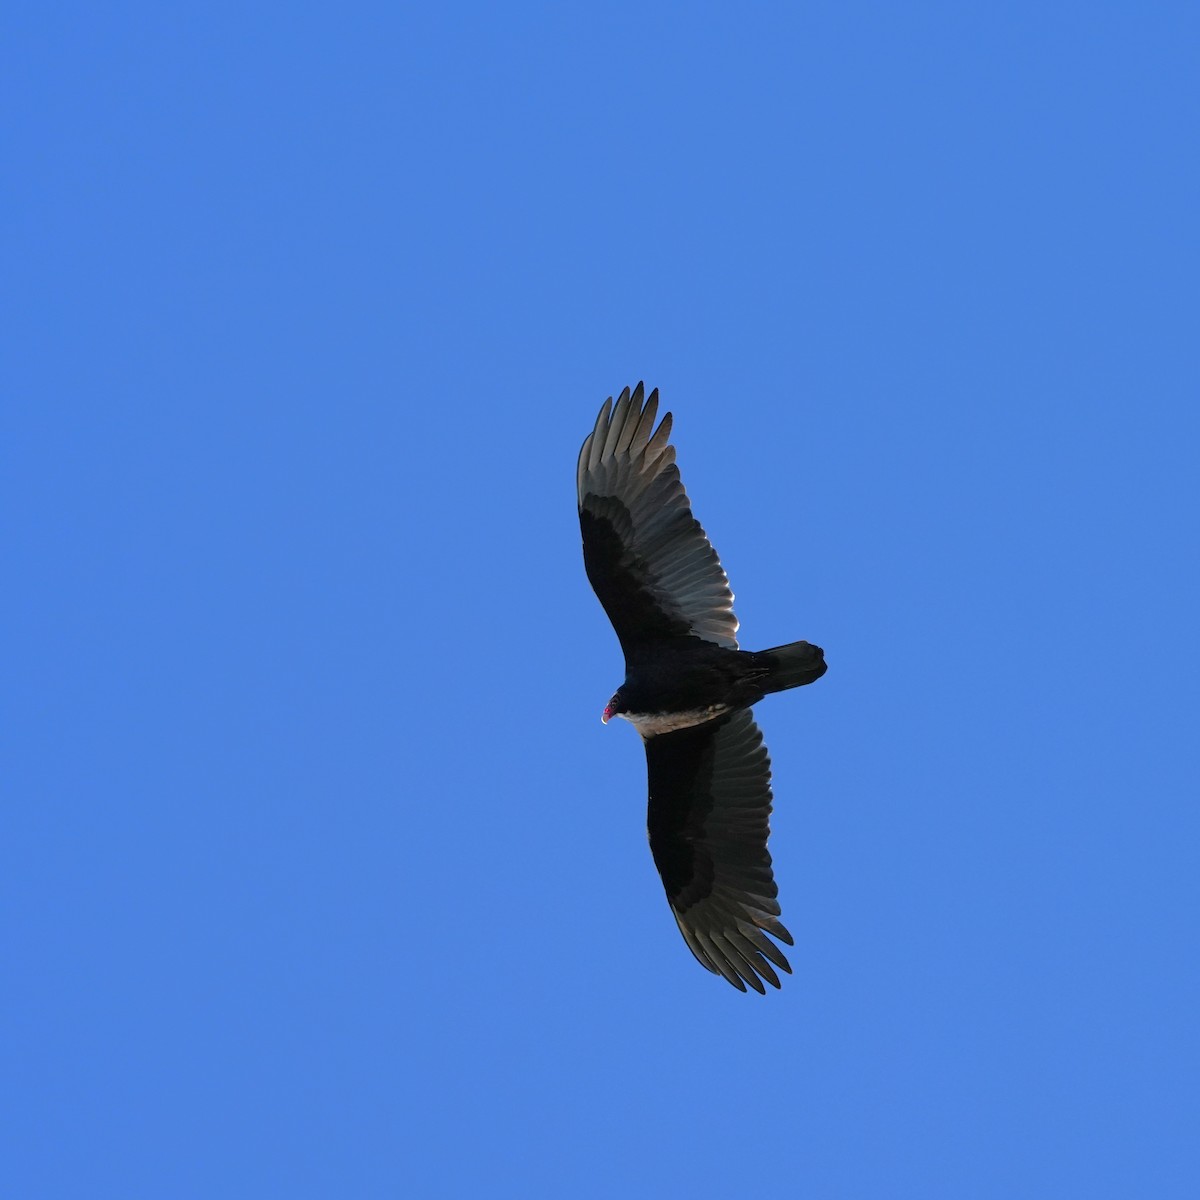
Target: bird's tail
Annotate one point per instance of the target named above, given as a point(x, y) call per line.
point(793, 665)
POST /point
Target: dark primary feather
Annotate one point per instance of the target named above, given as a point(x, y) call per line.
point(646, 556)
point(709, 812)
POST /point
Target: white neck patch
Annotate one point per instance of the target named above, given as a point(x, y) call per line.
point(652, 724)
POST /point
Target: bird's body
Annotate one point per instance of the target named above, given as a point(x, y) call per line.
point(687, 690)
point(688, 681)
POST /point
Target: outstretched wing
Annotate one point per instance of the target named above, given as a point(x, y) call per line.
point(646, 555)
point(710, 806)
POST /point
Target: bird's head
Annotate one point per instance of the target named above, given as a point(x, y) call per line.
point(613, 708)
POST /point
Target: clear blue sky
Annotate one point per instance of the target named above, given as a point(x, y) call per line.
point(320, 875)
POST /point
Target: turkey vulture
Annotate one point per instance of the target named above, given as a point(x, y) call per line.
point(688, 691)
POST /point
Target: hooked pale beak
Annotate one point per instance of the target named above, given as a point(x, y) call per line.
point(606, 714)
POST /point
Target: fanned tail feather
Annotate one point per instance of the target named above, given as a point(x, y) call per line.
point(793, 665)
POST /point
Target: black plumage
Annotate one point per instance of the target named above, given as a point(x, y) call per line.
point(688, 690)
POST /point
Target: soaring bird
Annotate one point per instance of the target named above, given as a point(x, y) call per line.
point(687, 691)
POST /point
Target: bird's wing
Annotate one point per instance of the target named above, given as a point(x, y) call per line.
point(646, 555)
point(710, 804)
